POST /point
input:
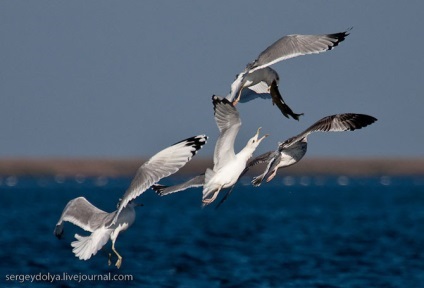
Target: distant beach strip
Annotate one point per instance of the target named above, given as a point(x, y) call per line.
point(128, 167)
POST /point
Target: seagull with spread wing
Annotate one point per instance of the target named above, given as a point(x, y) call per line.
point(227, 164)
point(103, 225)
point(293, 149)
point(257, 78)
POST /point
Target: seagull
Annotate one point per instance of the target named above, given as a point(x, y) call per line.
point(293, 149)
point(258, 77)
point(227, 165)
point(103, 225)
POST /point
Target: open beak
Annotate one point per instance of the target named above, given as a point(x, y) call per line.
point(257, 135)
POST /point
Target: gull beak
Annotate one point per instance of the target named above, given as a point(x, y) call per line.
point(263, 137)
point(257, 132)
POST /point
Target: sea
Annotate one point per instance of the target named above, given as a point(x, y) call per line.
point(295, 231)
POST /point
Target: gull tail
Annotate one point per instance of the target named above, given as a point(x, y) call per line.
point(210, 191)
point(86, 246)
point(207, 187)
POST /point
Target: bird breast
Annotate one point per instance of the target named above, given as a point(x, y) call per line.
point(266, 74)
point(228, 175)
point(293, 154)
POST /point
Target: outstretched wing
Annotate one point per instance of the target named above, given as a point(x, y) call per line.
point(295, 45)
point(163, 164)
point(260, 90)
point(277, 99)
point(82, 213)
point(333, 123)
point(162, 190)
point(228, 121)
point(263, 158)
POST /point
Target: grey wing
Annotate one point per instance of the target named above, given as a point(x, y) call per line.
point(263, 158)
point(163, 164)
point(260, 90)
point(277, 99)
point(228, 121)
point(295, 45)
point(82, 213)
point(235, 87)
point(334, 123)
point(272, 163)
point(268, 157)
point(162, 190)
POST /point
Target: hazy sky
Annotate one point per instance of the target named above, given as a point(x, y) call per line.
point(129, 78)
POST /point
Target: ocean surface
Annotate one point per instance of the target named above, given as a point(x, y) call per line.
point(332, 231)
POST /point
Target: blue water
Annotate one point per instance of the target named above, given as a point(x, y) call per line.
point(292, 232)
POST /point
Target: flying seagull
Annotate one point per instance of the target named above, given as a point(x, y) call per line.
point(293, 149)
point(258, 77)
point(104, 226)
point(227, 165)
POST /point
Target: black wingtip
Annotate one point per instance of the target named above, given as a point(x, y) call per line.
point(297, 116)
point(196, 141)
point(355, 121)
point(217, 100)
point(257, 181)
point(366, 120)
point(58, 232)
point(339, 37)
point(158, 188)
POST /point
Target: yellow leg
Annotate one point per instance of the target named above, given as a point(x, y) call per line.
point(119, 262)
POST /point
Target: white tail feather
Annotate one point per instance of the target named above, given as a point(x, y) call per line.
point(207, 188)
point(86, 246)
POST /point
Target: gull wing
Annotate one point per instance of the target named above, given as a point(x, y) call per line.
point(162, 190)
point(249, 93)
point(263, 158)
point(273, 160)
point(277, 99)
point(163, 164)
point(235, 87)
point(296, 45)
point(82, 213)
point(333, 123)
point(228, 121)
point(260, 90)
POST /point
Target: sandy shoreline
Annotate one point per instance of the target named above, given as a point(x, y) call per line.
point(128, 167)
